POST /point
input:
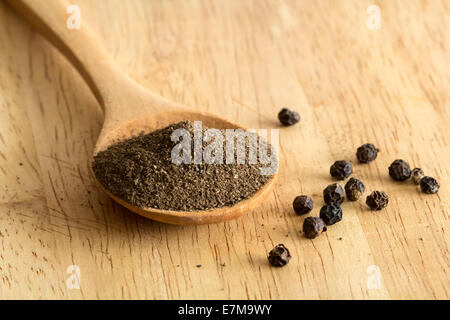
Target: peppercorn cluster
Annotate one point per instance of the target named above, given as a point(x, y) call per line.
point(334, 195)
point(399, 170)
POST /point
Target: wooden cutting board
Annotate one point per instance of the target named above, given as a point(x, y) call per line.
point(351, 83)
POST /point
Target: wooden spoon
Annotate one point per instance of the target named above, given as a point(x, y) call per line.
point(129, 108)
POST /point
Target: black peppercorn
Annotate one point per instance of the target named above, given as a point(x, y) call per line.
point(354, 188)
point(429, 185)
point(331, 213)
point(303, 205)
point(288, 117)
point(377, 200)
point(313, 226)
point(367, 153)
point(399, 170)
point(341, 169)
point(333, 194)
point(279, 256)
point(417, 174)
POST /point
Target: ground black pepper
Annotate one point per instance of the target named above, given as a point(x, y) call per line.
point(377, 200)
point(417, 174)
point(333, 194)
point(341, 169)
point(303, 205)
point(141, 172)
point(279, 256)
point(288, 117)
point(354, 188)
point(429, 185)
point(399, 170)
point(331, 213)
point(367, 153)
point(313, 227)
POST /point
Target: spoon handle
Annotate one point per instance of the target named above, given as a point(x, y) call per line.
point(79, 45)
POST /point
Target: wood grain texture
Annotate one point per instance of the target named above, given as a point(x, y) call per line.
point(244, 60)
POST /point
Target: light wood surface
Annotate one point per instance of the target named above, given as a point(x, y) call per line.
point(244, 60)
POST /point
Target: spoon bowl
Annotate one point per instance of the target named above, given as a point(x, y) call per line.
point(129, 108)
point(154, 121)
